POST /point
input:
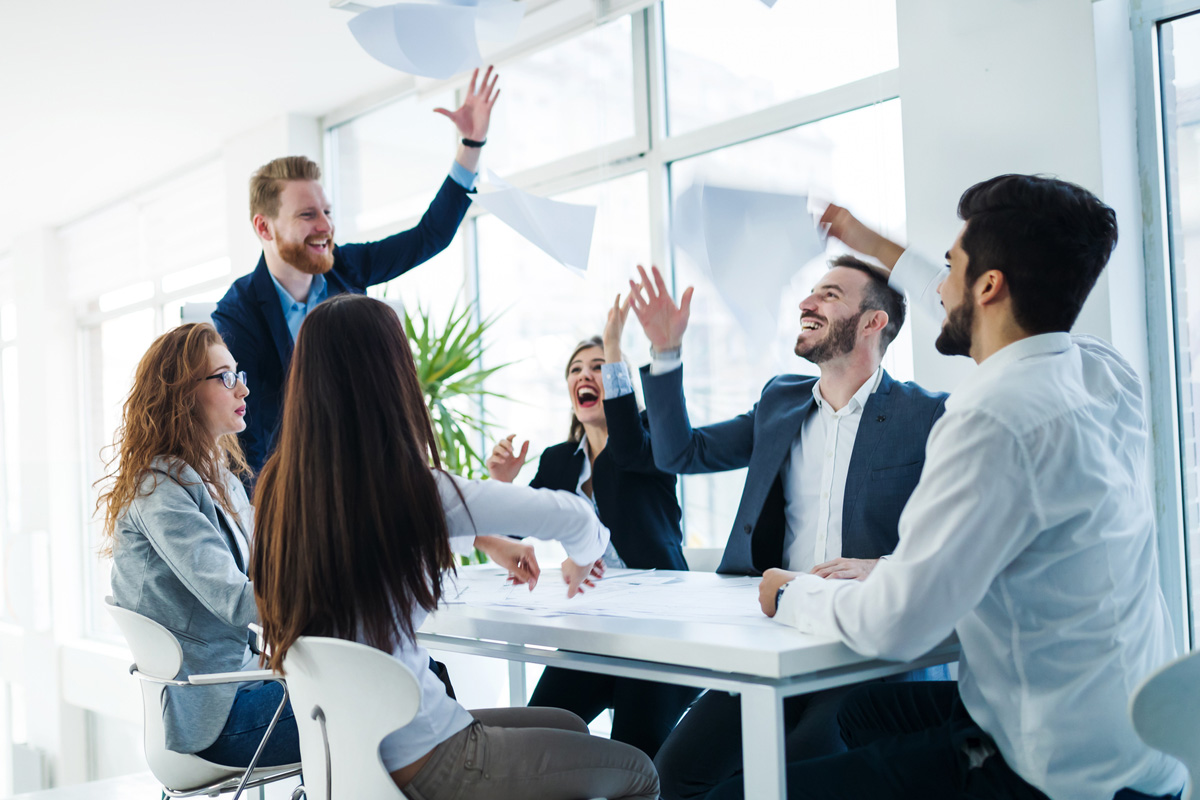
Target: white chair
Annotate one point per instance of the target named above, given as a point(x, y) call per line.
point(1164, 709)
point(157, 660)
point(346, 697)
point(703, 559)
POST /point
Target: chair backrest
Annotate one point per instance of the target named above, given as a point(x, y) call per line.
point(1166, 713)
point(197, 312)
point(156, 653)
point(347, 697)
point(703, 559)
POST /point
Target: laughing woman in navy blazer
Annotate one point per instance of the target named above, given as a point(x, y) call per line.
point(607, 459)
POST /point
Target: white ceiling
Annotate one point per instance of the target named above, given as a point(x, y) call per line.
point(101, 97)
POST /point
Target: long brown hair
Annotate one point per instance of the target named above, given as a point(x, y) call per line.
point(349, 537)
point(576, 432)
point(163, 417)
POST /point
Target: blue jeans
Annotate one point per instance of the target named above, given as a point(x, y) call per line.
point(247, 724)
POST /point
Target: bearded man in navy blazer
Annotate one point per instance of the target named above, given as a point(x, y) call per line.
point(832, 461)
point(300, 266)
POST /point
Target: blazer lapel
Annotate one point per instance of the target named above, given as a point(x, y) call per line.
point(781, 432)
point(239, 541)
point(268, 304)
point(875, 416)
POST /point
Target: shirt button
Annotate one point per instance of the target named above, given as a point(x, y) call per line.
point(824, 495)
point(746, 528)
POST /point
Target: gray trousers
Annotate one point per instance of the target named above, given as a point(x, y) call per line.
point(532, 754)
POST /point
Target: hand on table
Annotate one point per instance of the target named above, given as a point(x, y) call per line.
point(855, 569)
point(772, 580)
point(516, 557)
point(503, 464)
point(577, 576)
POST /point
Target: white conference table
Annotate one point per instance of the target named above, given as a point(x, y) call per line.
point(741, 651)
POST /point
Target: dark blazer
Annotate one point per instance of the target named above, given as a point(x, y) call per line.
point(635, 500)
point(250, 318)
point(885, 464)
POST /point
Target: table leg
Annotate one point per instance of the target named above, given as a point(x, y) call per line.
point(763, 756)
point(517, 694)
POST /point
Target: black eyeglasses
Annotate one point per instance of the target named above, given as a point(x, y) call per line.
point(230, 379)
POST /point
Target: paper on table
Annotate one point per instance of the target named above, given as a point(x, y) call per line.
point(621, 594)
point(561, 230)
point(750, 245)
point(435, 41)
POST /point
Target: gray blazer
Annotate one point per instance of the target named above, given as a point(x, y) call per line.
point(181, 560)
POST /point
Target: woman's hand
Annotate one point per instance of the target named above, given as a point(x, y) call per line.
point(613, 328)
point(577, 576)
point(503, 464)
point(516, 557)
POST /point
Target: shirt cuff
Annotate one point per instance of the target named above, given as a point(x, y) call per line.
point(463, 176)
point(661, 366)
point(617, 381)
point(791, 605)
point(919, 279)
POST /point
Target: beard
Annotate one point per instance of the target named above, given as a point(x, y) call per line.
point(298, 255)
point(955, 338)
point(839, 339)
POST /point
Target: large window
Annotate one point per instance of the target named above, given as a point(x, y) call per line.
point(623, 116)
point(1180, 64)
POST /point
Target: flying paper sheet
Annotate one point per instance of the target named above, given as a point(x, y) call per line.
point(750, 245)
point(562, 230)
point(435, 41)
point(495, 20)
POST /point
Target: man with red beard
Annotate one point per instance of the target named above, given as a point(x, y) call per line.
point(831, 463)
point(300, 265)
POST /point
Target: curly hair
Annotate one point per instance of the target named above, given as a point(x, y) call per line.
point(163, 417)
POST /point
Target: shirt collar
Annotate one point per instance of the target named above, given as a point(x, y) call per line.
point(316, 292)
point(860, 397)
point(582, 443)
point(1042, 344)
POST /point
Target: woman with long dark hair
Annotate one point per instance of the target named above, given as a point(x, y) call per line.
point(177, 524)
point(356, 525)
point(607, 460)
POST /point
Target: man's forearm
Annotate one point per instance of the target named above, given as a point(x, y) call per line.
point(468, 157)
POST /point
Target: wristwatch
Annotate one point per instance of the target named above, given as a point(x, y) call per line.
point(779, 595)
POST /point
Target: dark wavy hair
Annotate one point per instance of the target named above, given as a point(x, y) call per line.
point(349, 537)
point(1050, 238)
point(877, 296)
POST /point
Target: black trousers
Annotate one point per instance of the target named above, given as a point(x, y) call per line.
point(644, 712)
point(705, 749)
point(905, 740)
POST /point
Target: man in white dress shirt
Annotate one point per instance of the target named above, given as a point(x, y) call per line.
point(1030, 534)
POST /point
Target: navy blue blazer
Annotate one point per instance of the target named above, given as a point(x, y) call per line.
point(635, 500)
point(885, 464)
point(250, 318)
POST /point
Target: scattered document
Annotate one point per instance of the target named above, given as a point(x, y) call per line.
point(562, 230)
point(628, 594)
point(495, 20)
point(750, 245)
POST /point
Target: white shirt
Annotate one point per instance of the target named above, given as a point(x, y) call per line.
point(498, 509)
point(814, 476)
point(611, 559)
point(814, 479)
point(1031, 535)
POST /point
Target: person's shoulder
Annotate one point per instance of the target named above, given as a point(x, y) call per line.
point(560, 451)
point(916, 393)
point(163, 475)
point(239, 291)
point(788, 382)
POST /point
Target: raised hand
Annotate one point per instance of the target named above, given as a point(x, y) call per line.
point(663, 321)
point(503, 464)
point(613, 328)
point(843, 225)
point(475, 114)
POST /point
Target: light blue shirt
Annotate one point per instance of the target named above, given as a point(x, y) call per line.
point(294, 311)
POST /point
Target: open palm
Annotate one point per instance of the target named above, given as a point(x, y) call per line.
point(475, 114)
